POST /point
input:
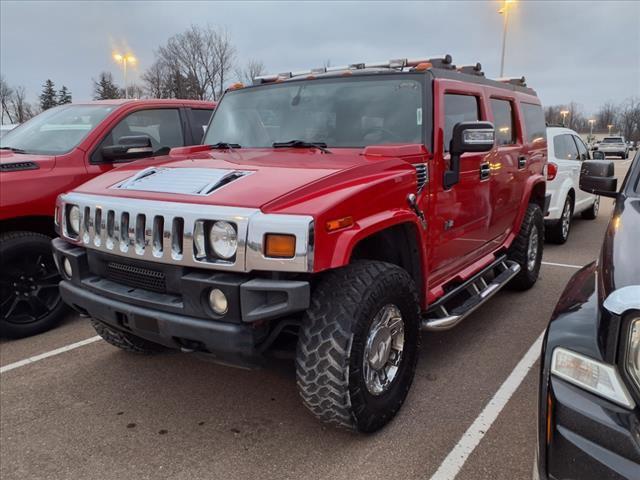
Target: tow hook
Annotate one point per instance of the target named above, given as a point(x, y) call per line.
point(411, 200)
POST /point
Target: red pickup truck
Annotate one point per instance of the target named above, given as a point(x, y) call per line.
point(53, 153)
point(339, 211)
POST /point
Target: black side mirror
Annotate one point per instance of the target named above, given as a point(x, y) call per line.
point(467, 137)
point(596, 155)
point(129, 148)
point(597, 177)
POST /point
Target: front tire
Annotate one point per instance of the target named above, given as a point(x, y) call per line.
point(558, 232)
point(30, 302)
point(358, 345)
point(527, 248)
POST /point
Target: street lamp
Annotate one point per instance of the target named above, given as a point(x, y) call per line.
point(564, 114)
point(504, 11)
point(610, 127)
point(592, 121)
point(124, 60)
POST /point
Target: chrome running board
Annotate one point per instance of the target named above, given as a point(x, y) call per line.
point(463, 300)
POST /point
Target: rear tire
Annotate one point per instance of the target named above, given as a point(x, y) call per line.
point(558, 232)
point(358, 345)
point(527, 248)
point(124, 340)
point(30, 301)
point(592, 212)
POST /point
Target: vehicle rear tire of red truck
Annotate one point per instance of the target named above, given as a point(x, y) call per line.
point(358, 345)
point(526, 249)
point(30, 302)
point(124, 340)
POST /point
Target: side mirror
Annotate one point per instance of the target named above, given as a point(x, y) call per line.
point(597, 177)
point(467, 137)
point(596, 155)
point(129, 148)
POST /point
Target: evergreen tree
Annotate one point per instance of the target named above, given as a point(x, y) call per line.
point(105, 88)
point(64, 96)
point(48, 96)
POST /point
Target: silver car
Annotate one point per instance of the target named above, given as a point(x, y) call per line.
point(614, 146)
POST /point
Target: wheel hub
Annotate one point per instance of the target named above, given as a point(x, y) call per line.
point(532, 249)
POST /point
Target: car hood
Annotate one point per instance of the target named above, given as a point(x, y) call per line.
point(15, 162)
point(245, 178)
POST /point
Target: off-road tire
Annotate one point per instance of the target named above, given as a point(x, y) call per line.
point(332, 339)
point(527, 277)
point(592, 212)
point(553, 231)
point(124, 340)
point(22, 245)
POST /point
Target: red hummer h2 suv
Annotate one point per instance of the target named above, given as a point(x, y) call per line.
point(53, 153)
point(345, 209)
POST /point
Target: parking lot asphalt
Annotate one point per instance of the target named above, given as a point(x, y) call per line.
point(97, 412)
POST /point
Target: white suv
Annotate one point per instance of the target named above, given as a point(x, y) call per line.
point(614, 146)
point(566, 152)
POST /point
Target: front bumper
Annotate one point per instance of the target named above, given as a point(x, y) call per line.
point(180, 316)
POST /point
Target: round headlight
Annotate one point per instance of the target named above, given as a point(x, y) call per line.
point(74, 219)
point(223, 239)
point(218, 301)
point(66, 265)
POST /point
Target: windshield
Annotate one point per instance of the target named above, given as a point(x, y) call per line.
point(57, 130)
point(613, 140)
point(339, 112)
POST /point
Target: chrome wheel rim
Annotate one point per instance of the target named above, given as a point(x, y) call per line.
point(596, 206)
point(532, 248)
point(566, 219)
point(383, 350)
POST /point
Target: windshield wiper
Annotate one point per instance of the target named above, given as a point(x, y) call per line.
point(13, 149)
point(302, 144)
point(224, 146)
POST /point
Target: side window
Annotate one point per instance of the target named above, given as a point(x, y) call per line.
point(162, 126)
point(458, 108)
point(534, 122)
point(583, 153)
point(503, 122)
point(201, 119)
point(564, 147)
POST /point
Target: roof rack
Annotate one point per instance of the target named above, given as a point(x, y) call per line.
point(441, 61)
point(519, 81)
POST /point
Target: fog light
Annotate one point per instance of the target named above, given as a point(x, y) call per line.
point(66, 265)
point(218, 301)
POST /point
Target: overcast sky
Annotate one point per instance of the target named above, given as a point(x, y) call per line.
point(587, 51)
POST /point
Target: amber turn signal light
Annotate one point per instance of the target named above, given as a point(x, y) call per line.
point(279, 246)
point(339, 223)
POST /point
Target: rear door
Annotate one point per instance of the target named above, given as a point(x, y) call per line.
point(583, 199)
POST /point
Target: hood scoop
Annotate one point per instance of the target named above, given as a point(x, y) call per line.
point(18, 166)
point(184, 181)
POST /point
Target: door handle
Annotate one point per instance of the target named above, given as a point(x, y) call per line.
point(485, 171)
point(522, 161)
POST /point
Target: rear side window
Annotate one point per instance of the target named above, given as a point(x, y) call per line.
point(201, 119)
point(564, 147)
point(534, 122)
point(503, 121)
point(458, 108)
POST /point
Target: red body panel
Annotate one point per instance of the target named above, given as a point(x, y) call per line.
point(32, 193)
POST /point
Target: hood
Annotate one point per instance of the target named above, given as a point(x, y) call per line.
point(16, 162)
point(244, 178)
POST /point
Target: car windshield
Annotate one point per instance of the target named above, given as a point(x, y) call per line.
point(338, 112)
point(613, 140)
point(56, 131)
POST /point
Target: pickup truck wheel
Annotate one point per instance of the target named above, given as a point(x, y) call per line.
point(125, 340)
point(526, 249)
point(592, 212)
point(558, 232)
point(358, 345)
point(30, 302)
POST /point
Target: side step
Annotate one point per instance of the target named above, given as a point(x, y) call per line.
point(463, 300)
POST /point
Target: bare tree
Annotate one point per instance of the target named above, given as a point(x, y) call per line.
point(21, 108)
point(253, 69)
point(606, 115)
point(629, 118)
point(6, 94)
point(224, 55)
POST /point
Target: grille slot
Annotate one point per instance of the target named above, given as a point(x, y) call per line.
point(17, 166)
point(422, 175)
point(137, 277)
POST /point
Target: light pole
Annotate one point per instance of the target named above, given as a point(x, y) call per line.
point(592, 121)
point(504, 11)
point(609, 127)
point(564, 114)
point(125, 59)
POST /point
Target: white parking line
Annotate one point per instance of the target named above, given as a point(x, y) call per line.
point(51, 353)
point(456, 459)
point(563, 265)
